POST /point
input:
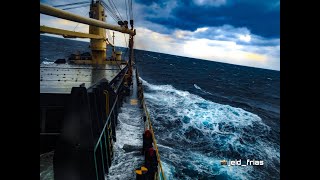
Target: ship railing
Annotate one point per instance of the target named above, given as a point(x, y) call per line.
point(160, 175)
point(106, 135)
point(104, 144)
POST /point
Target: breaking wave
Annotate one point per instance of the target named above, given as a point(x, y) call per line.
point(197, 87)
point(194, 134)
point(47, 62)
point(128, 146)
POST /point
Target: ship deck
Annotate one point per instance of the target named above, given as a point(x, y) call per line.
point(60, 78)
point(128, 147)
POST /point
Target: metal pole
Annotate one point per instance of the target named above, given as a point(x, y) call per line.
point(130, 51)
point(113, 43)
point(51, 11)
point(98, 46)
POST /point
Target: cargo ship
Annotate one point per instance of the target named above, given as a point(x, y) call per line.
point(81, 97)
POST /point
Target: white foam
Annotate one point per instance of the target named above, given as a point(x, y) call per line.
point(168, 170)
point(197, 87)
point(46, 166)
point(212, 166)
point(128, 132)
point(47, 62)
point(224, 125)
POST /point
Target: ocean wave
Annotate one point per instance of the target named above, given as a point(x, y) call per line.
point(197, 87)
point(47, 62)
point(46, 166)
point(190, 125)
point(128, 146)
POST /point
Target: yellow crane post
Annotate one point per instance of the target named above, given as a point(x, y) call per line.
point(98, 46)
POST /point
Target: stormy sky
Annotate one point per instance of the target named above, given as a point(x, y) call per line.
point(244, 32)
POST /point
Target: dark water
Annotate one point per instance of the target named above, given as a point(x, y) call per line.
point(204, 112)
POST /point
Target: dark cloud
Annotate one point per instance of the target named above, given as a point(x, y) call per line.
point(260, 17)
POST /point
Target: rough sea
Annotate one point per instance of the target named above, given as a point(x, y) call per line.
point(203, 112)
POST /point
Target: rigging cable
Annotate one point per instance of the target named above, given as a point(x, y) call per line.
point(85, 14)
point(112, 12)
point(114, 7)
point(84, 5)
point(130, 8)
point(131, 12)
point(126, 8)
point(76, 3)
point(117, 10)
point(114, 17)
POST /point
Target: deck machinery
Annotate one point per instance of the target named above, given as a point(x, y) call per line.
point(80, 99)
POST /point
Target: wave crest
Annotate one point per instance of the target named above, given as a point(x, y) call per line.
point(190, 124)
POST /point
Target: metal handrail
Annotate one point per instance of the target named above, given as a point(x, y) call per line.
point(103, 133)
point(151, 129)
point(153, 137)
point(99, 139)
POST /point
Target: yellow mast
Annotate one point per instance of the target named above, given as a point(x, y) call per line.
point(98, 46)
